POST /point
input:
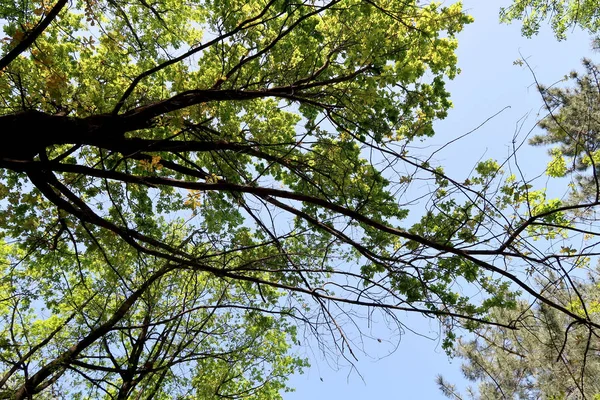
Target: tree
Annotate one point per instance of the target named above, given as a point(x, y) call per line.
point(548, 357)
point(178, 172)
point(137, 129)
point(137, 330)
point(573, 125)
point(562, 15)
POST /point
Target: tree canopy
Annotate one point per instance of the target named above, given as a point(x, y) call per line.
point(189, 188)
point(548, 357)
point(561, 14)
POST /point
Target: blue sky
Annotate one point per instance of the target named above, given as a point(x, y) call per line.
point(489, 82)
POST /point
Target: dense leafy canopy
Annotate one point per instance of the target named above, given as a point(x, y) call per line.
point(153, 147)
point(185, 185)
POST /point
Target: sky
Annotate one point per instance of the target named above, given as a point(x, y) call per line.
point(489, 83)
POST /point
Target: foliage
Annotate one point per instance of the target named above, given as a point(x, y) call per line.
point(143, 332)
point(550, 356)
point(188, 188)
point(547, 354)
point(562, 15)
point(572, 126)
point(152, 141)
